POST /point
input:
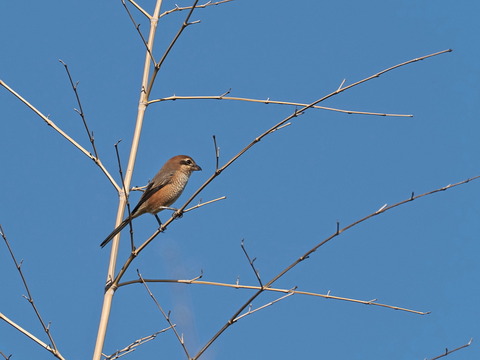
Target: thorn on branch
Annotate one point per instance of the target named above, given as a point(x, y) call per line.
point(225, 94)
point(217, 152)
point(251, 262)
point(381, 209)
point(197, 277)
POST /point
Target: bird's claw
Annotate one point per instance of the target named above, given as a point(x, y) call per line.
point(177, 214)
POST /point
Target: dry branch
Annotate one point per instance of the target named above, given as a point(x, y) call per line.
point(50, 123)
point(167, 51)
point(29, 297)
point(80, 108)
point(132, 347)
point(165, 315)
point(252, 311)
point(256, 287)
point(31, 336)
point(178, 8)
point(5, 356)
point(268, 101)
point(142, 105)
point(448, 352)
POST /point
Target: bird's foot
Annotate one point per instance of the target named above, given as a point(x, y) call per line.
point(177, 214)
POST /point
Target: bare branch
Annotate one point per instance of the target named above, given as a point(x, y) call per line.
point(250, 311)
point(137, 27)
point(177, 8)
point(54, 352)
point(125, 193)
point(29, 298)
point(268, 101)
point(217, 152)
point(448, 352)
point(166, 316)
point(139, 8)
point(61, 132)
point(132, 347)
point(80, 108)
point(251, 262)
point(255, 287)
point(204, 203)
point(5, 356)
point(167, 51)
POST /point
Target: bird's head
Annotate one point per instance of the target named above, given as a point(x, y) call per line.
point(184, 163)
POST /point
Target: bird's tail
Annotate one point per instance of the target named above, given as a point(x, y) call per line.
point(116, 231)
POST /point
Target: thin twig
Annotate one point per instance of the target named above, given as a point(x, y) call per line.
point(47, 347)
point(137, 27)
point(167, 51)
point(448, 352)
point(132, 347)
point(139, 8)
point(177, 8)
point(217, 152)
point(29, 296)
point(268, 101)
point(50, 123)
point(255, 287)
point(204, 203)
point(166, 316)
point(250, 311)
point(5, 356)
point(80, 108)
point(251, 262)
point(125, 193)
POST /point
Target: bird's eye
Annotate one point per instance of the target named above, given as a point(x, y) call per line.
point(188, 162)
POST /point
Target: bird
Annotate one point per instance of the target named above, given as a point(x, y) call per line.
point(164, 189)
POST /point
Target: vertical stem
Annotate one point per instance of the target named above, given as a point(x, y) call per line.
point(142, 105)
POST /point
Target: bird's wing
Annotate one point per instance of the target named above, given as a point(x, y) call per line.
point(156, 184)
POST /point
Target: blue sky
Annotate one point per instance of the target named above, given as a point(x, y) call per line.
point(283, 196)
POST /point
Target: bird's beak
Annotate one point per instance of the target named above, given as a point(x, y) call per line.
point(196, 168)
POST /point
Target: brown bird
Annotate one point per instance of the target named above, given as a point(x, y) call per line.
point(164, 189)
